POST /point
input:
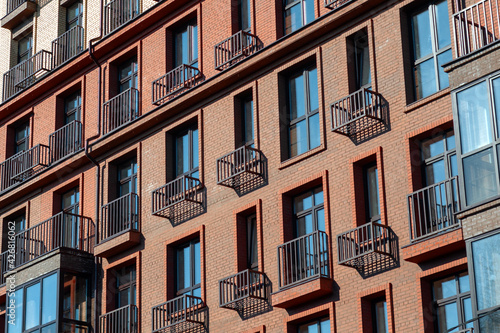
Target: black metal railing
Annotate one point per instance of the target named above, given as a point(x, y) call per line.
point(182, 310)
point(244, 160)
point(177, 80)
point(4, 265)
point(13, 4)
point(184, 188)
point(356, 112)
point(303, 258)
point(61, 230)
point(432, 209)
point(233, 49)
point(68, 45)
point(334, 4)
point(120, 110)
point(476, 26)
point(119, 12)
point(65, 141)
point(26, 73)
point(364, 244)
point(122, 320)
point(119, 216)
point(236, 290)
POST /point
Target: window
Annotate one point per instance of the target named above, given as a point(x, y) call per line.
point(72, 107)
point(452, 302)
point(252, 253)
point(70, 201)
point(380, 318)
point(244, 121)
point(439, 158)
point(297, 14)
point(309, 213)
point(125, 286)
point(431, 48)
point(186, 153)
point(188, 269)
point(244, 15)
point(70, 204)
point(127, 177)
point(74, 16)
point(361, 69)
point(19, 222)
point(127, 75)
point(24, 48)
point(372, 197)
point(186, 45)
point(316, 326)
point(485, 257)
point(303, 112)
point(22, 133)
point(74, 298)
point(477, 120)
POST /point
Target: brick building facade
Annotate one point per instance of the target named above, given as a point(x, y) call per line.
point(249, 166)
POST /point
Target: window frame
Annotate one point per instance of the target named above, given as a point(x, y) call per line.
point(178, 135)
point(133, 77)
point(250, 224)
point(313, 210)
point(131, 164)
point(192, 270)
point(445, 156)
point(245, 101)
point(189, 27)
point(318, 322)
point(77, 19)
point(24, 126)
point(358, 74)
point(73, 208)
point(366, 182)
point(302, 4)
point(125, 286)
point(68, 111)
point(29, 51)
point(375, 316)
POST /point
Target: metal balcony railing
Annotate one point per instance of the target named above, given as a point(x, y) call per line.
point(365, 244)
point(235, 48)
point(334, 4)
point(120, 110)
point(177, 80)
point(467, 330)
point(240, 166)
point(65, 141)
point(183, 190)
point(178, 315)
point(243, 289)
point(26, 73)
point(122, 320)
point(119, 12)
point(476, 26)
point(61, 230)
point(432, 210)
point(4, 266)
point(68, 45)
point(303, 258)
point(13, 4)
point(356, 112)
point(119, 216)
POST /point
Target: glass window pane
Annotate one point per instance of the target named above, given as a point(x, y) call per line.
point(49, 299)
point(309, 11)
point(486, 260)
point(467, 309)
point(447, 317)
point(450, 140)
point(32, 306)
point(314, 132)
point(432, 147)
point(75, 298)
point(422, 43)
point(479, 176)
point(293, 19)
point(381, 323)
point(194, 43)
point(372, 192)
point(490, 323)
point(248, 128)
point(445, 288)
point(51, 329)
point(443, 58)
point(195, 149)
point(325, 326)
point(303, 202)
point(443, 25)
point(197, 264)
point(183, 268)
point(17, 300)
point(496, 97)
point(245, 14)
point(474, 117)
point(298, 138)
point(320, 219)
point(453, 165)
point(435, 173)
point(425, 79)
point(182, 154)
point(297, 103)
point(318, 196)
point(313, 90)
point(463, 281)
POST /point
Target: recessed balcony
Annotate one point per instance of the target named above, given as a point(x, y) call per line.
point(182, 314)
point(240, 167)
point(175, 82)
point(122, 320)
point(118, 12)
point(65, 141)
point(68, 45)
point(243, 290)
point(235, 48)
point(120, 110)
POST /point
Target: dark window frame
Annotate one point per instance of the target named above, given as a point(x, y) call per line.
point(131, 164)
point(317, 321)
point(446, 156)
point(375, 317)
point(251, 227)
point(366, 191)
point(22, 56)
point(178, 135)
point(244, 100)
point(24, 126)
point(193, 59)
point(78, 19)
point(133, 77)
point(73, 208)
point(355, 49)
point(132, 283)
point(69, 111)
point(302, 4)
point(192, 269)
point(313, 210)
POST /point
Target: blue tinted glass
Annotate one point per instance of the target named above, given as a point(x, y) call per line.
point(318, 197)
point(196, 175)
point(450, 315)
point(467, 306)
point(185, 47)
point(443, 58)
point(422, 43)
point(320, 218)
point(425, 79)
point(432, 147)
point(445, 288)
point(309, 11)
point(450, 140)
point(496, 97)
point(313, 90)
point(474, 117)
point(32, 306)
point(195, 42)
point(197, 263)
point(298, 138)
point(293, 19)
point(50, 329)
point(197, 292)
point(16, 304)
point(314, 134)
point(435, 173)
point(49, 298)
point(479, 176)
point(195, 149)
point(182, 154)
point(453, 165)
point(486, 261)
point(183, 268)
point(297, 103)
point(325, 326)
point(443, 25)
point(463, 281)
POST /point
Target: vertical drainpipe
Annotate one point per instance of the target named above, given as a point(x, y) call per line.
point(97, 175)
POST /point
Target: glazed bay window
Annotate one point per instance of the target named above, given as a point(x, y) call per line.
point(188, 269)
point(186, 153)
point(303, 112)
point(431, 48)
point(186, 45)
point(297, 14)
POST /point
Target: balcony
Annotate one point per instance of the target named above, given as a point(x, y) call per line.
point(476, 26)
point(357, 112)
point(68, 45)
point(181, 314)
point(176, 81)
point(119, 12)
point(61, 230)
point(26, 73)
point(336, 4)
point(17, 12)
point(243, 290)
point(240, 167)
point(122, 320)
point(65, 141)
point(5, 265)
point(235, 48)
point(119, 225)
point(365, 245)
point(23, 165)
point(432, 210)
point(181, 194)
point(120, 110)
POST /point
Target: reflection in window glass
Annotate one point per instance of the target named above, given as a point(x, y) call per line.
point(479, 176)
point(75, 297)
point(49, 302)
point(317, 326)
point(486, 259)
